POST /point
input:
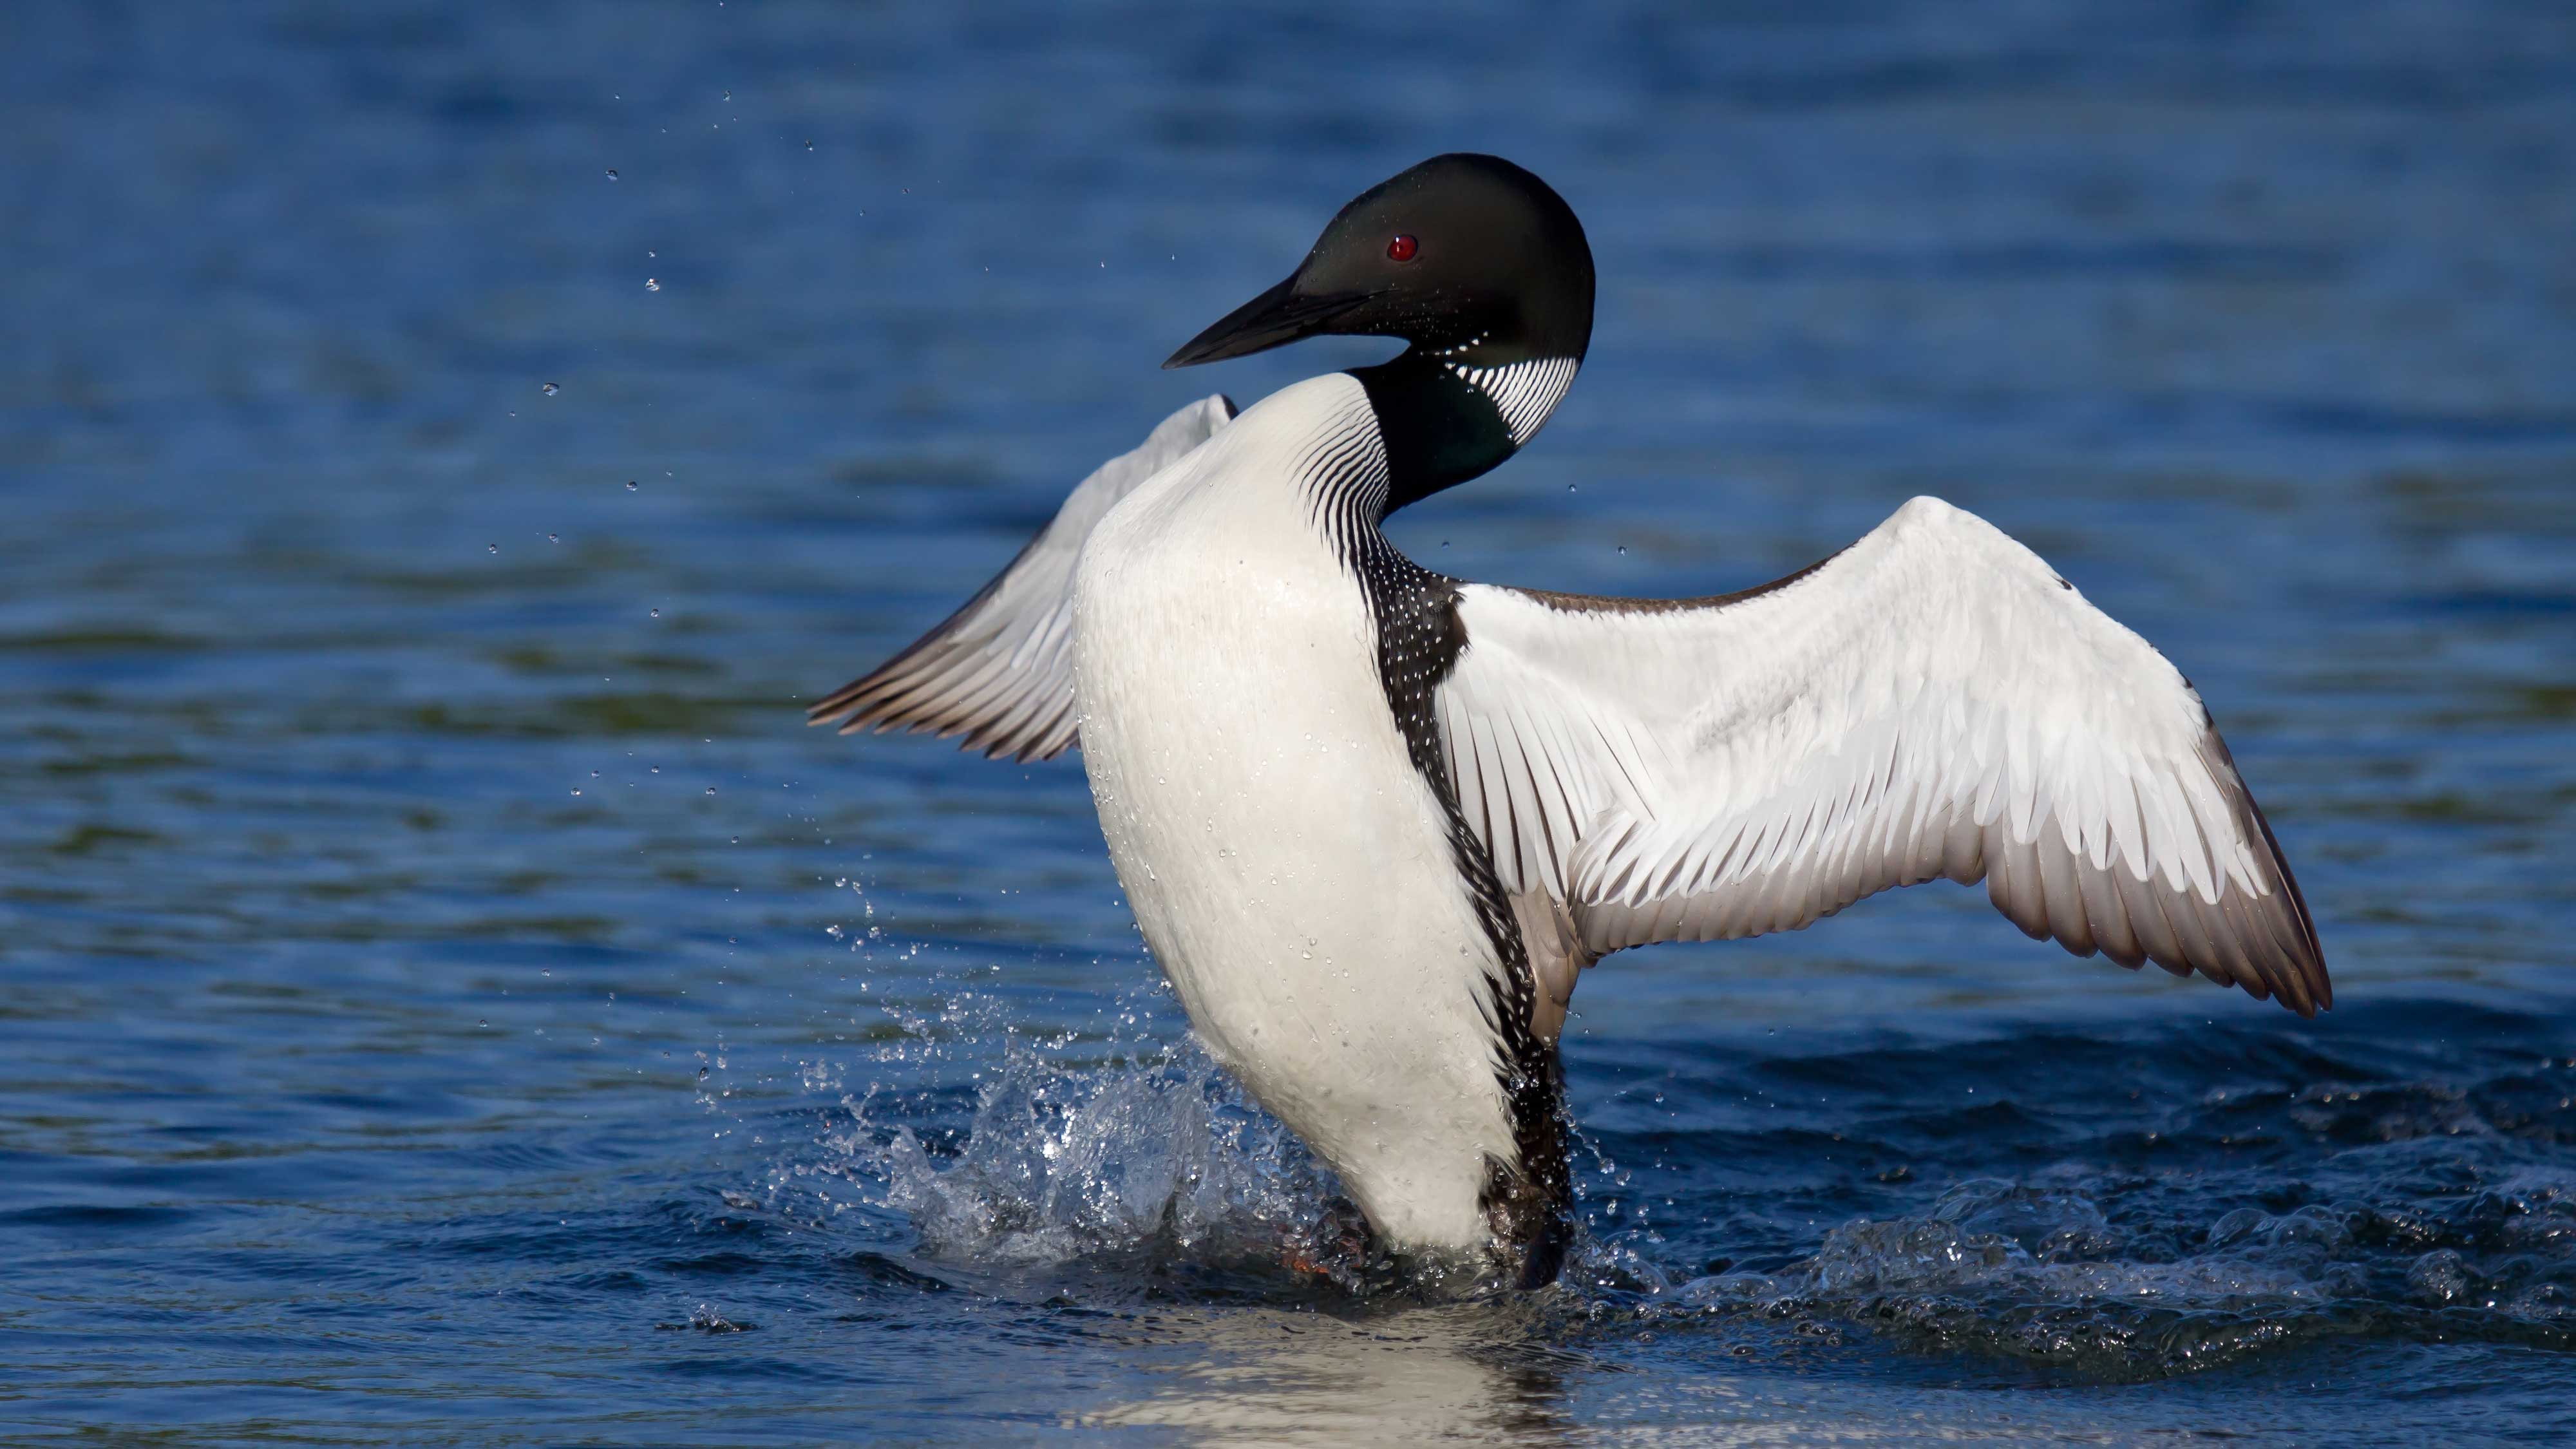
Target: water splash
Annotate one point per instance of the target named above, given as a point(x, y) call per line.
point(1162, 1159)
point(1122, 1148)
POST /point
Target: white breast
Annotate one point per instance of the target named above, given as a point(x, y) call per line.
point(1290, 868)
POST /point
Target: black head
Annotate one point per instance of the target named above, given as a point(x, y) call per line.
point(1466, 256)
point(1477, 264)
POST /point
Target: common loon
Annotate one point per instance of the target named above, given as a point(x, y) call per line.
point(1374, 821)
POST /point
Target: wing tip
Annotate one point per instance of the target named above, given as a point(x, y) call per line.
point(852, 708)
point(872, 698)
point(2306, 954)
point(861, 697)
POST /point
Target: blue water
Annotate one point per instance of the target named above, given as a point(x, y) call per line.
point(447, 996)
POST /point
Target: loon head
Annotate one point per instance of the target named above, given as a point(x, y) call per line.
point(1478, 264)
point(1464, 255)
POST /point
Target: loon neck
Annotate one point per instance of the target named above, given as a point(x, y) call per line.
point(1450, 415)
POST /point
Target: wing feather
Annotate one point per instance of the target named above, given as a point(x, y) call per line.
point(1933, 701)
point(1000, 670)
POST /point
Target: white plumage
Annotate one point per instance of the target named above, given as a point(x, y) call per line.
point(1289, 866)
point(1931, 701)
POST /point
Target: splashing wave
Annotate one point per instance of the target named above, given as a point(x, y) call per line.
point(1157, 1162)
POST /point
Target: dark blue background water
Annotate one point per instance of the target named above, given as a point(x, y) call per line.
point(444, 988)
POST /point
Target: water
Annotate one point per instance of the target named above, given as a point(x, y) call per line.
point(448, 996)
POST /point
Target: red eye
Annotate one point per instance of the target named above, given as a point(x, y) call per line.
point(1402, 249)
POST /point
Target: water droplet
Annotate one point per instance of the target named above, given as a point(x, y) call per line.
point(657, 613)
point(482, 1021)
point(630, 485)
point(652, 284)
point(491, 548)
point(550, 538)
point(711, 789)
point(612, 173)
point(1623, 550)
point(1569, 487)
point(576, 791)
point(809, 145)
point(552, 389)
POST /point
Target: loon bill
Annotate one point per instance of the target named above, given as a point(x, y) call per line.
point(1374, 821)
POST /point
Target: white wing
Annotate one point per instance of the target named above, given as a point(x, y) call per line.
point(1000, 670)
point(1934, 700)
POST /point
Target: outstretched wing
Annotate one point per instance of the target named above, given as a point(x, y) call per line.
point(1000, 670)
point(1932, 701)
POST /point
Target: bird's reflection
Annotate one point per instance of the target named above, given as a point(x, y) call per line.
point(1413, 1377)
